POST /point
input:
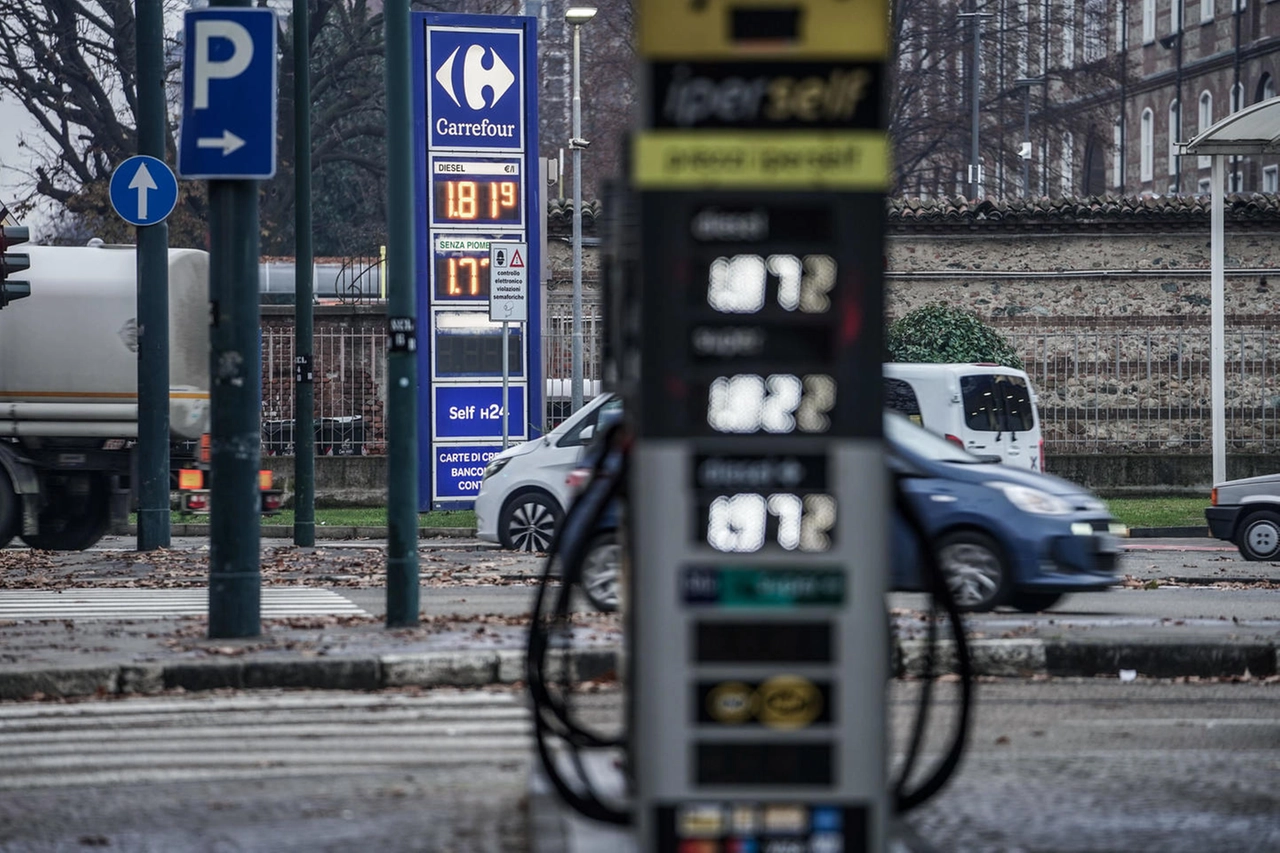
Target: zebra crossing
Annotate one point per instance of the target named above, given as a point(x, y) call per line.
point(124, 603)
point(257, 736)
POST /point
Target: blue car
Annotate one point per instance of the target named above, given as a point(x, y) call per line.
point(1003, 535)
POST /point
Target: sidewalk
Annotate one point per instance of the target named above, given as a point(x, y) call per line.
point(336, 638)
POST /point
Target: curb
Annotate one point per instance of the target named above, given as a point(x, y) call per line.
point(996, 658)
point(285, 531)
point(1201, 532)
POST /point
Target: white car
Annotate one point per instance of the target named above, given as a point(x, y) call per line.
point(524, 493)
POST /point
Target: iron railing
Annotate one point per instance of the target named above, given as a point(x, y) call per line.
point(1100, 391)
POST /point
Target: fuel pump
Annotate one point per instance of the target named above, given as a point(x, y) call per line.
point(759, 496)
point(744, 299)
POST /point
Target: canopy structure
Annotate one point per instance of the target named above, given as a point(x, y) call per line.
point(1252, 130)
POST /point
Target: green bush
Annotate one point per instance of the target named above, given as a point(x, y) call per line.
point(938, 334)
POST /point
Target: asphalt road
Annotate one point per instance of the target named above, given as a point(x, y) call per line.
point(1064, 765)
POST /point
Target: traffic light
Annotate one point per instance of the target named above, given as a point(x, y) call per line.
point(13, 262)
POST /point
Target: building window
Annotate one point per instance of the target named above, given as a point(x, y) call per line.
point(1117, 155)
point(1176, 16)
point(1271, 179)
point(1068, 33)
point(1147, 147)
point(1206, 121)
point(1148, 21)
point(1237, 97)
point(1206, 11)
point(1235, 182)
point(1095, 30)
point(1174, 133)
point(1204, 186)
point(1122, 28)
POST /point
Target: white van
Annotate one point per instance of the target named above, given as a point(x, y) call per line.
point(987, 409)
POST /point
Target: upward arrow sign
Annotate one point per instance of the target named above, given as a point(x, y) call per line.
point(142, 181)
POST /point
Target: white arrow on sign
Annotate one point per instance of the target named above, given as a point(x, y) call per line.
point(228, 142)
point(142, 181)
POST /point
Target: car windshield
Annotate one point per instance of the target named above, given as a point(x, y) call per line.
point(903, 433)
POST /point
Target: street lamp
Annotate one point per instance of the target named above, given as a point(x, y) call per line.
point(975, 161)
point(576, 16)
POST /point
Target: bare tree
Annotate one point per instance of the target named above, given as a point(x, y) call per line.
point(1049, 60)
point(71, 64)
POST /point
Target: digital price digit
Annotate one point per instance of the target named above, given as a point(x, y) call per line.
point(740, 284)
point(472, 282)
point(477, 200)
point(780, 403)
point(462, 275)
point(746, 523)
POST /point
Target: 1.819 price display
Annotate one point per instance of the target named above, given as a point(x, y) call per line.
point(476, 200)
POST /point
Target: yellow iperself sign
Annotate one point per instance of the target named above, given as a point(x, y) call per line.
point(723, 29)
point(837, 160)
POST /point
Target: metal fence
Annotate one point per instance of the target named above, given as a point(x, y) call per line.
point(1148, 389)
point(1127, 390)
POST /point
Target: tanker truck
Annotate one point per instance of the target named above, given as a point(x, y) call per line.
point(69, 390)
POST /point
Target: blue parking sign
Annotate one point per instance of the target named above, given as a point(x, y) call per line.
point(228, 128)
point(476, 94)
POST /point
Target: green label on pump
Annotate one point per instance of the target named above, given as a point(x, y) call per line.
point(744, 586)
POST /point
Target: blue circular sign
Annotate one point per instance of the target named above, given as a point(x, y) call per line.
point(143, 190)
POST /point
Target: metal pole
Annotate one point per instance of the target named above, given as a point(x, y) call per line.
point(304, 445)
point(153, 297)
point(402, 355)
point(1217, 330)
point(235, 576)
point(975, 177)
point(577, 227)
point(1026, 134)
point(506, 373)
point(236, 398)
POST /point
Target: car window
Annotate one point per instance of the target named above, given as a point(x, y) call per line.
point(903, 433)
point(574, 438)
point(997, 402)
point(899, 396)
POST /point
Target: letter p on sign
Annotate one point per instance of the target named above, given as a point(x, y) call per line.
point(207, 68)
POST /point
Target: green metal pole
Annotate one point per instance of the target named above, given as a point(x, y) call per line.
point(402, 374)
point(153, 297)
point(304, 445)
point(235, 574)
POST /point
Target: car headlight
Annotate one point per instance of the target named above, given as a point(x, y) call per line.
point(494, 467)
point(1032, 500)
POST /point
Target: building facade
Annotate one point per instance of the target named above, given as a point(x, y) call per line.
point(1080, 97)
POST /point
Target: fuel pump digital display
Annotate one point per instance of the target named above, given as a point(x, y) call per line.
point(777, 404)
point(748, 522)
point(755, 283)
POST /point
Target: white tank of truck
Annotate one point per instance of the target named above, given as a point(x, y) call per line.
point(69, 351)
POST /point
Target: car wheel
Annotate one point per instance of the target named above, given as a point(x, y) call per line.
point(529, 522)
point(1034, 602)
point(975, 570)
point(1259, 536)
point(601, 571)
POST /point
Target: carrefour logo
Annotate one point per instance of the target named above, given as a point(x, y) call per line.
point(497, 78)
point(476, 99)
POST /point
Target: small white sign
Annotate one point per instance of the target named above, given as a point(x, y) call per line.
point(508, 282)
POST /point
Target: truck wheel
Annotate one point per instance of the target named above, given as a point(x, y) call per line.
point(75, 515)
point(9, 504)
point(1259, 536)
